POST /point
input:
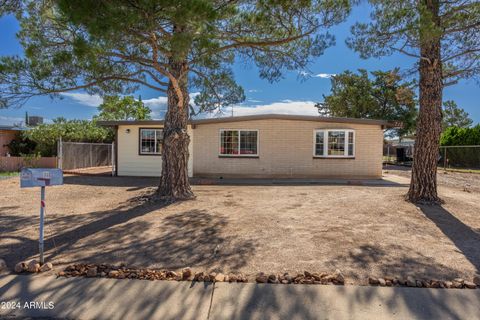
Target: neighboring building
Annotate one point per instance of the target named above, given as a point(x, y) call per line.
point(33, 121)
point(259, 146)
point(7, 134)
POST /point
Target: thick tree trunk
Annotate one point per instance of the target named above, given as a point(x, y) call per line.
point(423, 185)
point(174, 184)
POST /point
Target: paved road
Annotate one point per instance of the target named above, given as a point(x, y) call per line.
point(80, 298)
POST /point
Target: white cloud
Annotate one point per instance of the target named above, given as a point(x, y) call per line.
point(10, 121)
point(297, 107)
point(159, 104)
point(84, 98)
point(324, 75)
point(254, 90)
point(318, 75)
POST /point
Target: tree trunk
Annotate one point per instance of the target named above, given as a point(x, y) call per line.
point(174, 184)
point(423, 185)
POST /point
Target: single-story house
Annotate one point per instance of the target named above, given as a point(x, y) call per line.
point(259, 146)
point(7, 134)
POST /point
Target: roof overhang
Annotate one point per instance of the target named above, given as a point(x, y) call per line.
point(383, 123)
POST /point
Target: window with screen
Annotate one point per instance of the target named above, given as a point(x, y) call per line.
point(337, 143)
point(239, 143)
point(151, 141)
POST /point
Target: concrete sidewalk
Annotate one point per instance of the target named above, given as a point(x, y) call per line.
point(81, 298)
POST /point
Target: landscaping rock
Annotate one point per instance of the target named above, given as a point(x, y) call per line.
point(33, 266)
point(20, 267)
point(211, 276)
point(273, 279)
point(261, 278)
point(186, 273)
point(411, 282)
point(382, 282)
point(113, 274)
point(199, 276)
point(476, 280)
point(448, 284)
point(470, 285)
point(242, 278)
point(419, 283)
point(92, 272)
point(3, 265)
point(288, 278)
point(46, 267)
point(338, 277)
point(373, 281)
point(220, 277)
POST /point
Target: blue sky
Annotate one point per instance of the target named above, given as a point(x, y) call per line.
point(290, 95)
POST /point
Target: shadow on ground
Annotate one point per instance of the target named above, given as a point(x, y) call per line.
point(108, 181)
point(337, 302)
point(187, 238)
point(81, 298)
point(466, 239)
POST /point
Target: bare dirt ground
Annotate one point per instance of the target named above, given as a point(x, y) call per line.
point(362, 230)
point(457, 180)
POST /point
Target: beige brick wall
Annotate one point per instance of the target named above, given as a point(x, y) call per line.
point(286, 150)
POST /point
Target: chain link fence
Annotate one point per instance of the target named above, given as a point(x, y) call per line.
point(83, 155)
point(449, 157)
point(460, 157)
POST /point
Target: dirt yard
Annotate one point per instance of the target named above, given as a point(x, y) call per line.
point(361, 230)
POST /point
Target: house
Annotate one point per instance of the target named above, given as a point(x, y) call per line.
point(259, 146)
point(7, 134)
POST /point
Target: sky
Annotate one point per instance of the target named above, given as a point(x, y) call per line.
point(290, 95)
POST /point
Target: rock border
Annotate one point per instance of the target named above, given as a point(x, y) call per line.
point(122, 272)
point(457, 283)
point(336, 278)
point(32, 266)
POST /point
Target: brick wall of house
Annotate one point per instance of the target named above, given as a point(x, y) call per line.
point(286, 150)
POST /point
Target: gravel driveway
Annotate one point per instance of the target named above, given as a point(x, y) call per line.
point(361, 230)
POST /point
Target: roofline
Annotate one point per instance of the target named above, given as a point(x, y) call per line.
point(385, 123)
point(13, 128)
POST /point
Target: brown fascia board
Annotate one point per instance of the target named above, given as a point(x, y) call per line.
point(383, 123)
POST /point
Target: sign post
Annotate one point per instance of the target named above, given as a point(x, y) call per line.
point(42, 214)
point(41, 178)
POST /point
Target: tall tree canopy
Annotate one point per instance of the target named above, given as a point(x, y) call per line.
point(454, 116)
point(111, 47)
point(123, 108)
point(443, 36)
point(355, 95)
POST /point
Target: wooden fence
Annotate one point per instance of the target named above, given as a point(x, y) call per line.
point(16, 163)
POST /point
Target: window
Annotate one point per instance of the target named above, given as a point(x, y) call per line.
point(239, 142)
point(334, 143)
point(151, 141)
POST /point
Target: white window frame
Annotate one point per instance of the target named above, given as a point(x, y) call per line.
point(325, 143)
point(143, 153)
point(237, 155)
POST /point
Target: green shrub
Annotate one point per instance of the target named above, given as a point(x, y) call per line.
point(455, 136)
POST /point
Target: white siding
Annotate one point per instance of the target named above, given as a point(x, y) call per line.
point(131, 163)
